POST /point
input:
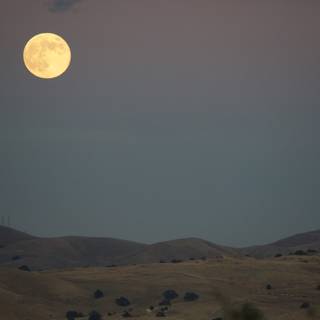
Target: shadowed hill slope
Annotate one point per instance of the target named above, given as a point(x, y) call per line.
point(10, 236)
point(44, 253)
point(61, 252)
point(302, 241)
point(182, 249)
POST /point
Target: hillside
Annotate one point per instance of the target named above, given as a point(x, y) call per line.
point(50, 294)
point(11, 236)
point(303, 241)
point(46, 253)
point(182, 249)
point(62, 252)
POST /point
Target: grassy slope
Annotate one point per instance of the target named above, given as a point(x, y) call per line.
point(48, 295)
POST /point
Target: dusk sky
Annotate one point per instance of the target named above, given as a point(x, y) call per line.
point(175, 119)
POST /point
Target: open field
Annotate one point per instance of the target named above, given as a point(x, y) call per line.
point(49, 294)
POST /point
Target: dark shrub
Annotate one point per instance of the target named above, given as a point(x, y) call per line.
point(250, 312)
point(176, 260)
point(246, 312)
point(190, 296)
point(300, 253)
point(204, 258)
point(269, 287)
point(191, 259)
point(217, 318)
point(98, 294)
point(94, 315)
point(71, 315)
point(24, 268)
point(312, 251)
point(162, 261)
point(160, 314)
point(170, 294)
point(15, 258)
point(151, 308)
point(165, 302)
point(126, 314)
point(305, 305)
point(111, 266)
point(122, 302)
point(318, 287)
point(278, 255)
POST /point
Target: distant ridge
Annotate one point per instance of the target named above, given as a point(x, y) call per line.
point(18, 248)
point(302, 241)
point(10, 236)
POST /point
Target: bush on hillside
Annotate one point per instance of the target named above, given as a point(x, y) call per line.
point(176, 261)
point(98, 294)
point(71, 315)
point(94, 315)
point(190, 296)
point(247, 311)
point(300, 253)
point(24, 268)
point(305, 305)
point(123, 302)
point(170, 294)
point(126, 314)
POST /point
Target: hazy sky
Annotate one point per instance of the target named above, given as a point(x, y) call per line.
point(177, 118)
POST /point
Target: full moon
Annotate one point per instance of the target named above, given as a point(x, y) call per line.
point(47, 55)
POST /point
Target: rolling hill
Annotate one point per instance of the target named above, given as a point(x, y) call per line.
point(19, 248)
point(11, 236)
point(182, 249)
point(302, 241)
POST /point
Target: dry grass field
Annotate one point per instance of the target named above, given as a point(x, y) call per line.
point(49, 294)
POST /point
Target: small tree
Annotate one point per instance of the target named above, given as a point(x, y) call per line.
point(24, 268)
point(300, 253)
point(123, 302)
point(71, 315)
point(247, 311)
point(98, 294)
point(170, 294)
point(190, 296)
point(94, 315)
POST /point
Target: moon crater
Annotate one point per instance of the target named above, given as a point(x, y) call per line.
point(47, 55)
